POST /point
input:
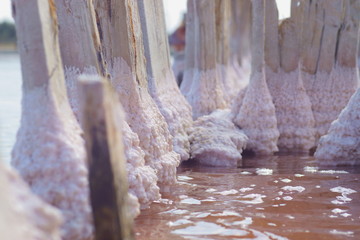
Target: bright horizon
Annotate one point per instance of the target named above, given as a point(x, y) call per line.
point(174, 10)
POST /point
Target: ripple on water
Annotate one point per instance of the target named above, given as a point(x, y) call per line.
point(207, 228)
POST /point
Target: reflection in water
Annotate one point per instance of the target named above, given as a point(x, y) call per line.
point(278, 197)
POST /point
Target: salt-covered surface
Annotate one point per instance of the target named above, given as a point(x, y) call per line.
point(257, 104)
point(206, 92)
point(161, 80)
point(177, 113)
point(216, 141)
point(202, 85)
point(341, 145)
point(49, 153)
point(22, 214)
point(295, 120)
point(145, 119)
point(141, 179)
point(329, 94)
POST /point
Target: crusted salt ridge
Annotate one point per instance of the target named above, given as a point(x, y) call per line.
point(216, 141)
point(22, 214)
point(257, 118)
point(206, 92)
point(177, 113)
point(329, 93)
point(294, 115)
point(50, 155)
point(145, 119)
point(71, 76)
point(141, 179)
point(341, 145)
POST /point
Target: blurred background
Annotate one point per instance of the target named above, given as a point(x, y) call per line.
point(10, 72)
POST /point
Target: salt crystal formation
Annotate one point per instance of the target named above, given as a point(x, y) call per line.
point(128, 76)
point(85, 62)
point(295, 119)
point(216, 141)
point(22, 214)
point(329, 31)
point(256, 115)
point(202, 84)
point(162, 84)
point(141, 179)
point(49, 151)
point(341, 145)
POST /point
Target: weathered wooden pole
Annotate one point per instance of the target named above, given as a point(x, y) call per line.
point(328, 81)
point(161, 80)
point(79, 43)
point(22, 214)
point(341, 144)
point(49, 151)
point(122, 44)
point(256, 115)
point(78, 21)
point(229, 75)
point(240, 36)
point(101, 120)
point(206, 91)
point(295, 120)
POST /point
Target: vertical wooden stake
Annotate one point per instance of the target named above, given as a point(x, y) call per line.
point(101, 118)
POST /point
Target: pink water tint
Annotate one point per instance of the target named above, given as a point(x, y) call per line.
point(279, 197)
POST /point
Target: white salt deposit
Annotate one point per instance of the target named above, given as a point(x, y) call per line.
point(22, 214)
point(216, 141)
point(176, 111)
point(341, 144)
point(145, 119)
point(56, 171)
point(142, 179)
point(295, 119)
point(257, 104)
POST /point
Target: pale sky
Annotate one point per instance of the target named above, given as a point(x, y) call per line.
point(174, 10)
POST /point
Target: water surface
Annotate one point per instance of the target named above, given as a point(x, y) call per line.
point(10, 98)
point(280, 197)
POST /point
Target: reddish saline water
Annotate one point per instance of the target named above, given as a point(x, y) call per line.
point(279, 197)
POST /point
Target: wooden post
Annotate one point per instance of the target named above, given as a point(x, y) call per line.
point(101, 119)
point(240, 36)
point(79, 44)
point(122, 43)
point(161, 80)
point(78, 35)
point(206, 91)
point(263, 133)
point(49, 151)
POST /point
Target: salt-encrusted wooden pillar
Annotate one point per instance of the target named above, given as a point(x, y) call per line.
point(79, 43)
point(162, 83)
point(341, 144)
point(78, 21)
point(328, 81)
point(49, 151)
point(206, 91)
point(22, 214)
point(101, 119)
point(228, 74)
point(256, 114)
point(295, 120)
point(122, 43)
